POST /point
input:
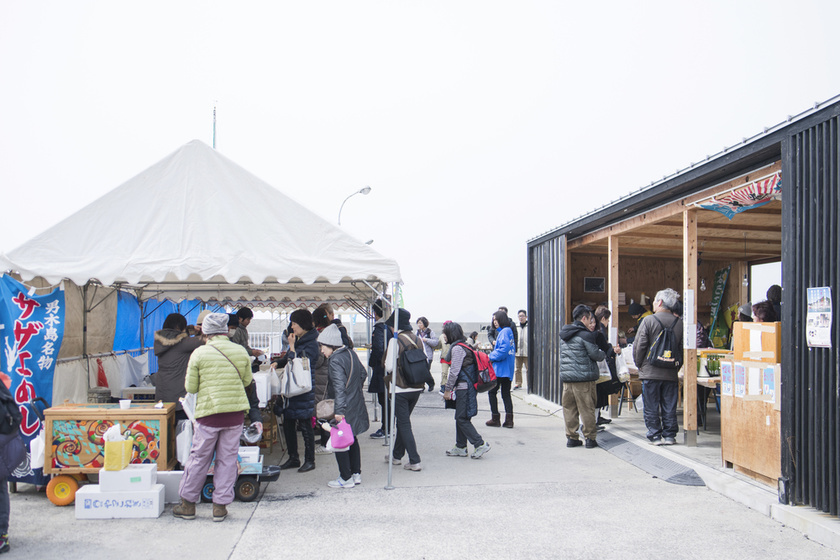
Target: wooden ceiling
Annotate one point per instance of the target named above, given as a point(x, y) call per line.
point(659, 233)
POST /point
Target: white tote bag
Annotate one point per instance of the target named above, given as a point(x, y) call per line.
point(296, 378)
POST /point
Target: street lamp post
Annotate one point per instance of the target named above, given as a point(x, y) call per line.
point(364, 190)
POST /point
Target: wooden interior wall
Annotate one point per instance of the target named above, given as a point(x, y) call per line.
point(640, 275)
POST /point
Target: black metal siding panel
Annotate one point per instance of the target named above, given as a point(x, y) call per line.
point(546, 310)
point(811, 253)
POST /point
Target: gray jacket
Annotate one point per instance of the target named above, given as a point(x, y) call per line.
point(649, 329)
point(349, 397)
point(579, 355)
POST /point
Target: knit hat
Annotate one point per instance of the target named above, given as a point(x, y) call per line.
point(330, 336)
point(203, 315)
point(635, 309)
point(215, 323)
point(404, 318)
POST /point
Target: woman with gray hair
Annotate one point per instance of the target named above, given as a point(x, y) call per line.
point(218, 373)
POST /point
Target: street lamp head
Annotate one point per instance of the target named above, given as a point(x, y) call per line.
point(365, 190)
point(369, 241)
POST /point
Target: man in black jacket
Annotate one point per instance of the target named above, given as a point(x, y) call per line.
point(579, 357)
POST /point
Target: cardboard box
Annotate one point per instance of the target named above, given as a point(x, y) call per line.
point(132, 477)
point(92, 503)
point(249, 454)
point(172, 481)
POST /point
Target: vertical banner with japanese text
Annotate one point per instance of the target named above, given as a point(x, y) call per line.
point(31, 331)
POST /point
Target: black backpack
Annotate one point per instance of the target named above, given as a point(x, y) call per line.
point(665, 352)
point(413, 364)
point(10, 416)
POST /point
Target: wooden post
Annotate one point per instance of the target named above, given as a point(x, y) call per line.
point(613, 303)
point(689, 352)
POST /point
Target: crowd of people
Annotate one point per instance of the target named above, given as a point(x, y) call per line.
point(212, 360)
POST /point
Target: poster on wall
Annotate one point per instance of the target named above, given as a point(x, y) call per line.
point(739, 377)
point(726, 378)
point(31, 331)
point(769, 383)
point(818, 329)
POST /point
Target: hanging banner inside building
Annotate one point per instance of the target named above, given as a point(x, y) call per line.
point(818, 329)
point(717, 333)
point(748, 197)
point(31, 331)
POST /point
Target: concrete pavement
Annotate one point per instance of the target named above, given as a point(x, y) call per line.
point(529, 497)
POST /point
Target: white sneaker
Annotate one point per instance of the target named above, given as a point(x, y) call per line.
point(341, 483)
point(457, 452)
point(481, 450)
point(321, 450)
point(357, 478)
point(413, 467)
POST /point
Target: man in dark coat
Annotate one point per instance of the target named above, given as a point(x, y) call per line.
point(660, 385)
point(376, 361)
point(579, 357)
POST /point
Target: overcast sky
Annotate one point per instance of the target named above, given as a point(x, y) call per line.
point(478, 125)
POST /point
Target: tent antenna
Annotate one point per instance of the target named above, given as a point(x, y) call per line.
point(214, 125)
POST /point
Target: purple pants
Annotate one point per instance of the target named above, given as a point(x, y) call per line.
point(224, 442)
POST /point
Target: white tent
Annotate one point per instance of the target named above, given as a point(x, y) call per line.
point(197, 225)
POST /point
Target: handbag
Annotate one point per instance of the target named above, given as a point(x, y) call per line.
point(296, 378)
point(325, 408)
point(341, 436)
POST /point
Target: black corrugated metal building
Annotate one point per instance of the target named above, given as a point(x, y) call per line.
point(801, 230)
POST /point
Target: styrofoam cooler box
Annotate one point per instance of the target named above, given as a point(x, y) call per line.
point(249, 454)
point(263, 385)
point(93, 503)
point(133, 477)
point(172, 481)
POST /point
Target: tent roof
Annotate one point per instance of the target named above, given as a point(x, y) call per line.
point(170, 231)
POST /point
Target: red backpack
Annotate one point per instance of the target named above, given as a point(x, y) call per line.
point(486, 374)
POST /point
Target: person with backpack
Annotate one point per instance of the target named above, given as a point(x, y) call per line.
point(12, 454)
point(657, 352)
point(503, 358)
point(406, 393)
point(461, 381)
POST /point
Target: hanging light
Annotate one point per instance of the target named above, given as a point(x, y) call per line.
point(746, 281)
point(702, 284)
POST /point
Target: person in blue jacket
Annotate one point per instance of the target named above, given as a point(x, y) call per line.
point(503, 358)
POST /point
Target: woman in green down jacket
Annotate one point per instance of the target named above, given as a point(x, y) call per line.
point(218, 373)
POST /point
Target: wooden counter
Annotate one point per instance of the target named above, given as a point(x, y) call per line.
point(74, 435)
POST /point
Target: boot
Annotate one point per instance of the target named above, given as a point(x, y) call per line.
point(307, 466)
point(219, 512)
point(494, 420)
point(292, 463)
point(508, 420)
point(184, 510)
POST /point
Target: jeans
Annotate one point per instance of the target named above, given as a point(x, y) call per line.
point(224, 442)
point(4, 506)
point(290, 432)
point(405, 403)
point(660, 408)
point(504, 384)
point(464, 430)
point(350, 461)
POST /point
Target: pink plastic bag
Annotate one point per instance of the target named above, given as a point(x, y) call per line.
point(341, 436)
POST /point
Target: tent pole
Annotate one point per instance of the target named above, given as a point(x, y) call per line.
point(392, 420)
point(84, 331)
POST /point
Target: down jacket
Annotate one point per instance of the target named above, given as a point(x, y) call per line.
point(219, 384)
point(302, 407)
point(349, 397)
point(503, 355)
point(173, 349)
point(579, 354)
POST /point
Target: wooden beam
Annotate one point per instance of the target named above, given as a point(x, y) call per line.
point(612, 288)
point(690, 354)
point(674, 208)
